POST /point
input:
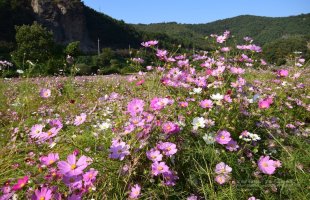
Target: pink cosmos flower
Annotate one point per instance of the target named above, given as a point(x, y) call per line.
point(159, 168)
point(237, 70)
point(49, 134)
point(75, 197)
point(36, 131)
point(45, 93)
point(282, 73)
point(154, 155)
point(135, 107)
point(56, 123)
point(220, 39)
point(80, 119)
point(264, 103)
point(160, 103)
point(266, 165)
point(20, 183)
point(162, 54)
point(149, 43)
point(168, 148)
point(183, 104)
point(170, 128)
point(50, 159)
point(119, 149)
point(221, 179)
point(90, 177)
point(206, 103)
point(227, 98)
point(222, 168)
point(135, 192)
point(223, 137)
point(42, 194)
point(71, 167)
point(73, 182)
point(232, 145)
point(170, 178)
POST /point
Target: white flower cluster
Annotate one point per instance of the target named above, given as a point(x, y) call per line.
point(104, 125)
point(247, 136)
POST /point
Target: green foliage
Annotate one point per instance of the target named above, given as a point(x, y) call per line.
point(73, 49)
point(278, 50)
point(34, 43)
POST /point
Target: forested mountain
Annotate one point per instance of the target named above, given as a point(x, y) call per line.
point(262, 29)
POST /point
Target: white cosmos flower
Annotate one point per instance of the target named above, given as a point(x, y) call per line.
point(196, 91)
point(208, 138)
point(105, 125)
point(198, 122)
point(20, 71)
point(217, 97)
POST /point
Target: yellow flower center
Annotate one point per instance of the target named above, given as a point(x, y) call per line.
point(73, 166)
point(222, 137)
point(42, 198)
point(160, 168)
point(265, 164)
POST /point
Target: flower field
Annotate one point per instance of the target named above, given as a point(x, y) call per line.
point(208, 125)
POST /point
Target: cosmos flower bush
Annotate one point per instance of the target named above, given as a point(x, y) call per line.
point(208, 125)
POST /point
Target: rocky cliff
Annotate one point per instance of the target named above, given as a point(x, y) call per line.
point(69, 20)
point(66, 19)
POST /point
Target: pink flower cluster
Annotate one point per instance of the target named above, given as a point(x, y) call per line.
point(74, 176)
point(159, 167)
point(223, 173)
point(119, 149)
point(223, 137)
point(36, 132)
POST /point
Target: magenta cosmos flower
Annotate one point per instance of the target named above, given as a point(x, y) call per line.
point(223, 137)
point(20, 183)
point(42, 194)
point(135, 107)
point(159, 168)
point(206, 103)
point(71, 167)
point(135, 192)
point(265, 103)
point(45, 93)
point(80, 119)
point(268, 166)
point(50, 159)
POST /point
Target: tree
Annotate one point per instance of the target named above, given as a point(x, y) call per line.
point(34, 43)
point(73, 49)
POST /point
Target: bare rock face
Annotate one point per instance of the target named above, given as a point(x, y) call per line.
point(65, 18)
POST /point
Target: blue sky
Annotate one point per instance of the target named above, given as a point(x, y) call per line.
point(195, 11)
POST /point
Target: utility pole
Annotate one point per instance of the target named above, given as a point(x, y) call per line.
point(98, 47)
